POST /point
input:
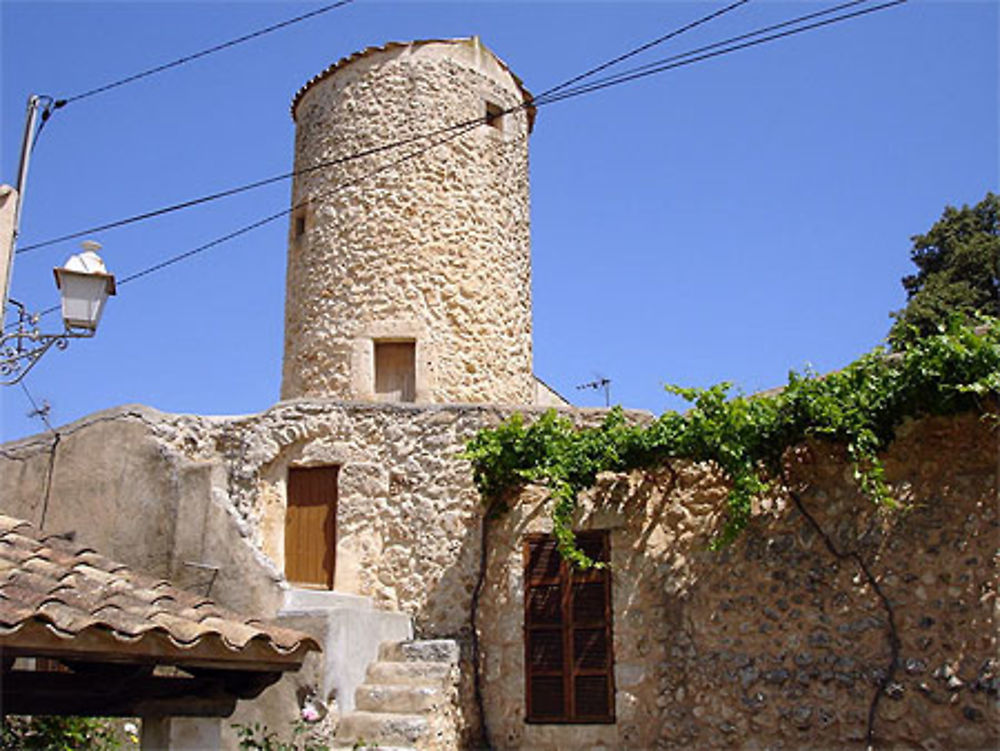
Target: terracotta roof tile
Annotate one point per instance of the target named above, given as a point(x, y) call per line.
point(9, 524)
point(50, 585)
point(58, 554)
point(13, 614)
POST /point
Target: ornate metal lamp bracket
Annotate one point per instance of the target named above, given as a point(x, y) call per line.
point(22, 347)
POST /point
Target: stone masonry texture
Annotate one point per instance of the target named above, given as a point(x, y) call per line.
point(772, 643)
point(433, 249)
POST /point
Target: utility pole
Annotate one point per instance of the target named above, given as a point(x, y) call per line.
point(10, 210)
point(84, 283)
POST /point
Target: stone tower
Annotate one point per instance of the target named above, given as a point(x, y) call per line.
point(412, 283)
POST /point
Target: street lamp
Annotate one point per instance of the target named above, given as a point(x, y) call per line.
point(84, 285)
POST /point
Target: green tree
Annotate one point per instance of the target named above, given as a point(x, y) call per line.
point(958, 264)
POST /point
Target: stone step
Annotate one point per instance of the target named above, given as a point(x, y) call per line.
point(422, 650)
point(408, 673)
point(299, 599)
point(405, 699)
point(382, 728)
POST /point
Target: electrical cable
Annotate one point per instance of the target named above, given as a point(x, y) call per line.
point(643, 48)
point(50, 106)
point(36, 411)
point(208, 51)
point(546, 97)
point(379, 149)
point(560, 97)
point(284, 212)
point(625, 77)
point(694, 56)
point(272, 217)
point(246, 187)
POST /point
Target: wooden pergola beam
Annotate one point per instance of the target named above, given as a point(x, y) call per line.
point(110, 695)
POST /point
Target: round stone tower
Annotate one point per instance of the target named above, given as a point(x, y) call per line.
point(409, 269)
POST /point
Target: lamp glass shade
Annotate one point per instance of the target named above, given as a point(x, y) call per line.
point(83, 297)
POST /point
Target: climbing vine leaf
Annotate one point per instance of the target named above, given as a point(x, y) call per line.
point(860, 406)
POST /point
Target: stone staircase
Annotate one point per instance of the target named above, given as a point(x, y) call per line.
point(407, 701)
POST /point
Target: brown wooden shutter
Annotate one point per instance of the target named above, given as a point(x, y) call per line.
point(567, 628)
point(311, 526)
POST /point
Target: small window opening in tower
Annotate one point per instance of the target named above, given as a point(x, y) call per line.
point(299, 224)
point(395, 371)
point(494, 115)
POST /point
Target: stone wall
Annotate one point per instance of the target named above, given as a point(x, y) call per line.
point(778, 641)
point(433, 249)
point(156, 490)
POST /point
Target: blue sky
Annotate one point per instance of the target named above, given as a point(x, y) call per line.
point(725, 221)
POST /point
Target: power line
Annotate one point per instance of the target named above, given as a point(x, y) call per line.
point(246, 187)
point(376, 150)
point(642, 48)
point(277, 215)
point(661, 66)
point(210, 50)
point(547, 97)
point(284, 212)
point(560, 97)
point(695, 56)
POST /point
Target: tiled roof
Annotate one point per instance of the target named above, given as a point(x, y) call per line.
point(526, 96)
point(60, 598)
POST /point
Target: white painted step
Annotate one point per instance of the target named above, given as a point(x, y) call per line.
point(405, 699)
point(408, 673)
point(382, 728)
point(423, 650)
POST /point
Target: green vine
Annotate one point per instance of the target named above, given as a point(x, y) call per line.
point(860, 406)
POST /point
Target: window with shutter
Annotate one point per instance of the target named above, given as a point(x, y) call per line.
point(567, 633)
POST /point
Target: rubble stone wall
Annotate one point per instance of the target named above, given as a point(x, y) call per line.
point(775, 642)
point(778, 641)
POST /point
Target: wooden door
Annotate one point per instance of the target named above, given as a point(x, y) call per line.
point(311, 526)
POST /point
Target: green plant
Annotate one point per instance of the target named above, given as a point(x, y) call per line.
point(258, 737)
point(861, 406)
point(50, 733)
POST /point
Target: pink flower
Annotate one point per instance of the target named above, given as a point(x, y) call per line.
point(310, 713)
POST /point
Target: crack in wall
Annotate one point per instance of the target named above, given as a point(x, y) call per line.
point(48, 479)
point(892, 633)
point(474, 621)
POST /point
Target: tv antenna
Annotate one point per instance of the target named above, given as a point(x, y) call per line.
point(600, 383)
point(41, 412)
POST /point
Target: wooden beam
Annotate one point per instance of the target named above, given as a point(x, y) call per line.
point(90, 694)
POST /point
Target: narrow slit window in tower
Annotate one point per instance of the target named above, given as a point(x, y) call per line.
point(395, 371)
